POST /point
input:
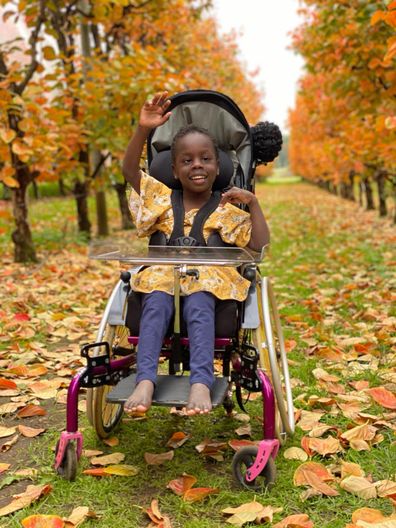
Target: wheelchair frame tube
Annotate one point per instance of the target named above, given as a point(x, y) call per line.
point(74, 389)
point(268, 406)
point(268, 304)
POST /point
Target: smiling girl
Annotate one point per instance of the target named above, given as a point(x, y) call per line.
point(195, 163)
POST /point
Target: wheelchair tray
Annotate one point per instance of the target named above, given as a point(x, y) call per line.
point(173, 255)
point(170, 391)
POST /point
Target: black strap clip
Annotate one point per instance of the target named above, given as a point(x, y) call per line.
point(185, 241)
point(97, 371)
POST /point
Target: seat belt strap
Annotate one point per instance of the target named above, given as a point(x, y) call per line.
point(201, 217)
point(178, 216)
point(199, 220)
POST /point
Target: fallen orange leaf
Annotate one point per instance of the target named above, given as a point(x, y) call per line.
point(113, 458)
point(383, 396)
point(6, 431)
point(31, 410)
point(295, 453)
point(78, 516)
point(350, 468)
point(112, 442)
point(177, 439)
point(7, 384)
point(361, 432)
point(197, 494)
point(305, 445)
point(96, 472)
point(359, 486)
point(158, 520)
point(249, 512)
point(123, 470)
point(42, 521)
point(9, 443)
point(155, 459)
point(212, 449)
point(300, 520)
point(29, 432)
point(237, 444)
point(153, 512)
point(182, 484)
point(317, 469)
point(368, 515)
point(24, 499)
point(325, 446)
point(4, 466)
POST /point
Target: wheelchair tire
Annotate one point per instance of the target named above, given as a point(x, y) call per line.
point(69, 464)
point(268, 338)
point(243, 460)
point(105, 416)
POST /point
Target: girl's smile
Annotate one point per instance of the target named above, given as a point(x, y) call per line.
point(195, 163)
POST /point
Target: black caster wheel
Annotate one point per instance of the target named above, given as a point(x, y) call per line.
point(243, 459)
point(68, 466)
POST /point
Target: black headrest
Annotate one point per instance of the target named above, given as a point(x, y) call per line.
point(161, 169)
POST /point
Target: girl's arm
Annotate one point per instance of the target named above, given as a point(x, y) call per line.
point(260, 236)
point(152, 115)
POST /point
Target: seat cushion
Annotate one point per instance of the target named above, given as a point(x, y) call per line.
point(226, 323)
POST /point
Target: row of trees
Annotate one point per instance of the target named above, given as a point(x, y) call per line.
point(71, 89)
point(343, 126)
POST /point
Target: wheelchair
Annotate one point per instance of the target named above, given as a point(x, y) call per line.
point(248, 334)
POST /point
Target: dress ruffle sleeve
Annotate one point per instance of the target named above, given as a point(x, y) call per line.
point(148, 207)
point(234, 225)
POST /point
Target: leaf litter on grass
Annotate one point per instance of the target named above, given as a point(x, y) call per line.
point(335, 290)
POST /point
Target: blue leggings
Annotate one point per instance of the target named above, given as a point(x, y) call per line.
point(199, 315)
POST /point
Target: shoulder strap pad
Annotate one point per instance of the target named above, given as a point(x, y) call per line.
point(201, 217)
point(178, 216)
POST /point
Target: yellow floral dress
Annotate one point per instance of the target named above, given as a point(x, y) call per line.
point(152, 211)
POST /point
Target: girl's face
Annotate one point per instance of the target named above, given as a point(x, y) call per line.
point(195, 163)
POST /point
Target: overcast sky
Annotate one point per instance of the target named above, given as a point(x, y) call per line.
point(265, 25)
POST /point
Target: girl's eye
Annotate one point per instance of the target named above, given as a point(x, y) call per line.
point(186, 161)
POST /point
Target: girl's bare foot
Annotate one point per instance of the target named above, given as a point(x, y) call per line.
point(199, 401)
point(141, 398)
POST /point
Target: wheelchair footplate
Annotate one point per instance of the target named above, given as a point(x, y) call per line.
point(170, 391)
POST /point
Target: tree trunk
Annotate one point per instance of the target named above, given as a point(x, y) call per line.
point(80, 191)
point(36, 193)
point(22, 237)
point(101, 213)
point(380, 179)
point(123, 204)
point(100, 196)
point(394, 200)
point(351, 186)
point(333, 188)
point(62, 190)
point(369, 194)
point(343, 190)
point(361, 192)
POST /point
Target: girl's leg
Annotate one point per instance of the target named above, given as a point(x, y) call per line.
point(199, 314)
point(157, 311)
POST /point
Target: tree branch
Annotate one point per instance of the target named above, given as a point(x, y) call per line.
point(33, 46)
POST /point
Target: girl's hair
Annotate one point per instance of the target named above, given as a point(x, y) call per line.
point(192, 129)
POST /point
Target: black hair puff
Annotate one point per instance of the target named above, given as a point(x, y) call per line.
point(267, 141)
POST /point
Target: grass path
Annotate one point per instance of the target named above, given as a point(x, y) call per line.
point(333, 270)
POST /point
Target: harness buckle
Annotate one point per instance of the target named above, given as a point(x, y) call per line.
point(185, 241)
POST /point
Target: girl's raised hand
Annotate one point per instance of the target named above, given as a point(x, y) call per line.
point(235, 195)
point(154, 112)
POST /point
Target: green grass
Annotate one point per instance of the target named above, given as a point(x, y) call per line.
point(313, 263)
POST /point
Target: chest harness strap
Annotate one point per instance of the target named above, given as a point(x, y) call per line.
point(195, 237)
